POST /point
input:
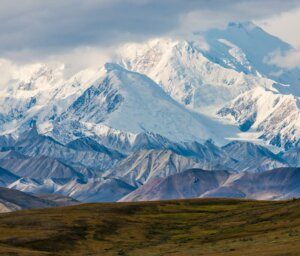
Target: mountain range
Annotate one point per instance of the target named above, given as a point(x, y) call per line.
point(13, 200)
point(49, 167)
point(277, 184)
point(167, 118)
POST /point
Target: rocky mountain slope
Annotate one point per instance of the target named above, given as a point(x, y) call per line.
point(253, 158)
point(188, 184)
point(282, 183)
point(292, 156)
point(39, 164)
point(13, 200)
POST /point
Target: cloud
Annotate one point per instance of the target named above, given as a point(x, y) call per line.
point(284, 26)
point(288, 60)
point(11, 71)
point(6, 70)
point(82, 57)
point(32, 28)
point(219, 14)
point(84, 34)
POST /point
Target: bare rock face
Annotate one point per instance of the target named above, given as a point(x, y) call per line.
point(252, 157)
point(281, 183)
point(188, 184)
point(141, 167)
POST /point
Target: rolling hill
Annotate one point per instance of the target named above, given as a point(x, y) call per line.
point(211, 227)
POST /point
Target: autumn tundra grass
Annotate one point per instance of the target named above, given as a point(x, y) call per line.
point(184, 227)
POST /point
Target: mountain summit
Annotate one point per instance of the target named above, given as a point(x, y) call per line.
point(183, 90)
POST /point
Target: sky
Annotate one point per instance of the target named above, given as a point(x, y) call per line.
point(85, 33)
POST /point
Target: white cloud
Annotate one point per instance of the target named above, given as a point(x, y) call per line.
point(82, 57)
point(288, 60)
point(284, 26)
point(83, 33)
point(6, 70)
point(47, 27)
point(72, 61)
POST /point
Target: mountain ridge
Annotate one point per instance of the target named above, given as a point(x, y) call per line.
point(157, 109)
point(200, 81)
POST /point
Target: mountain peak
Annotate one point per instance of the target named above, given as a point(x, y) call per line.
point(248, 25)
point(113, 66)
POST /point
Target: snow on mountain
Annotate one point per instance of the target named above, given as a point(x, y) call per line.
point(93, 190)
point(30, 185)
point(253, 158)
point(10, 154)
point(292, 156)
point(6, 141)
point(140, 167)
point(133, 103)
point(26, 94)
point(40, 168)
point(114, 104)
point(45, 99)
point(246, 47)
point(275, 117)
point(86, 161)
point(163, 106)
point(233, 62)
point(186, 74)
point(38, 93)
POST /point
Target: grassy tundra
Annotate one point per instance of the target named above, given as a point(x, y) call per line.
point(184, 227)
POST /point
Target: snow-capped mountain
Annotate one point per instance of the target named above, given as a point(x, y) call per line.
point(186, 74)
point(133, 103)
point(38, 93)
point(245, 152)
point(269, 116)
point(89, 171)
point(118, 102)
point(246, 47)
point(217, 82)
point(142, 166)
point(231, 63)
point(292, 156)
point(159, 108)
